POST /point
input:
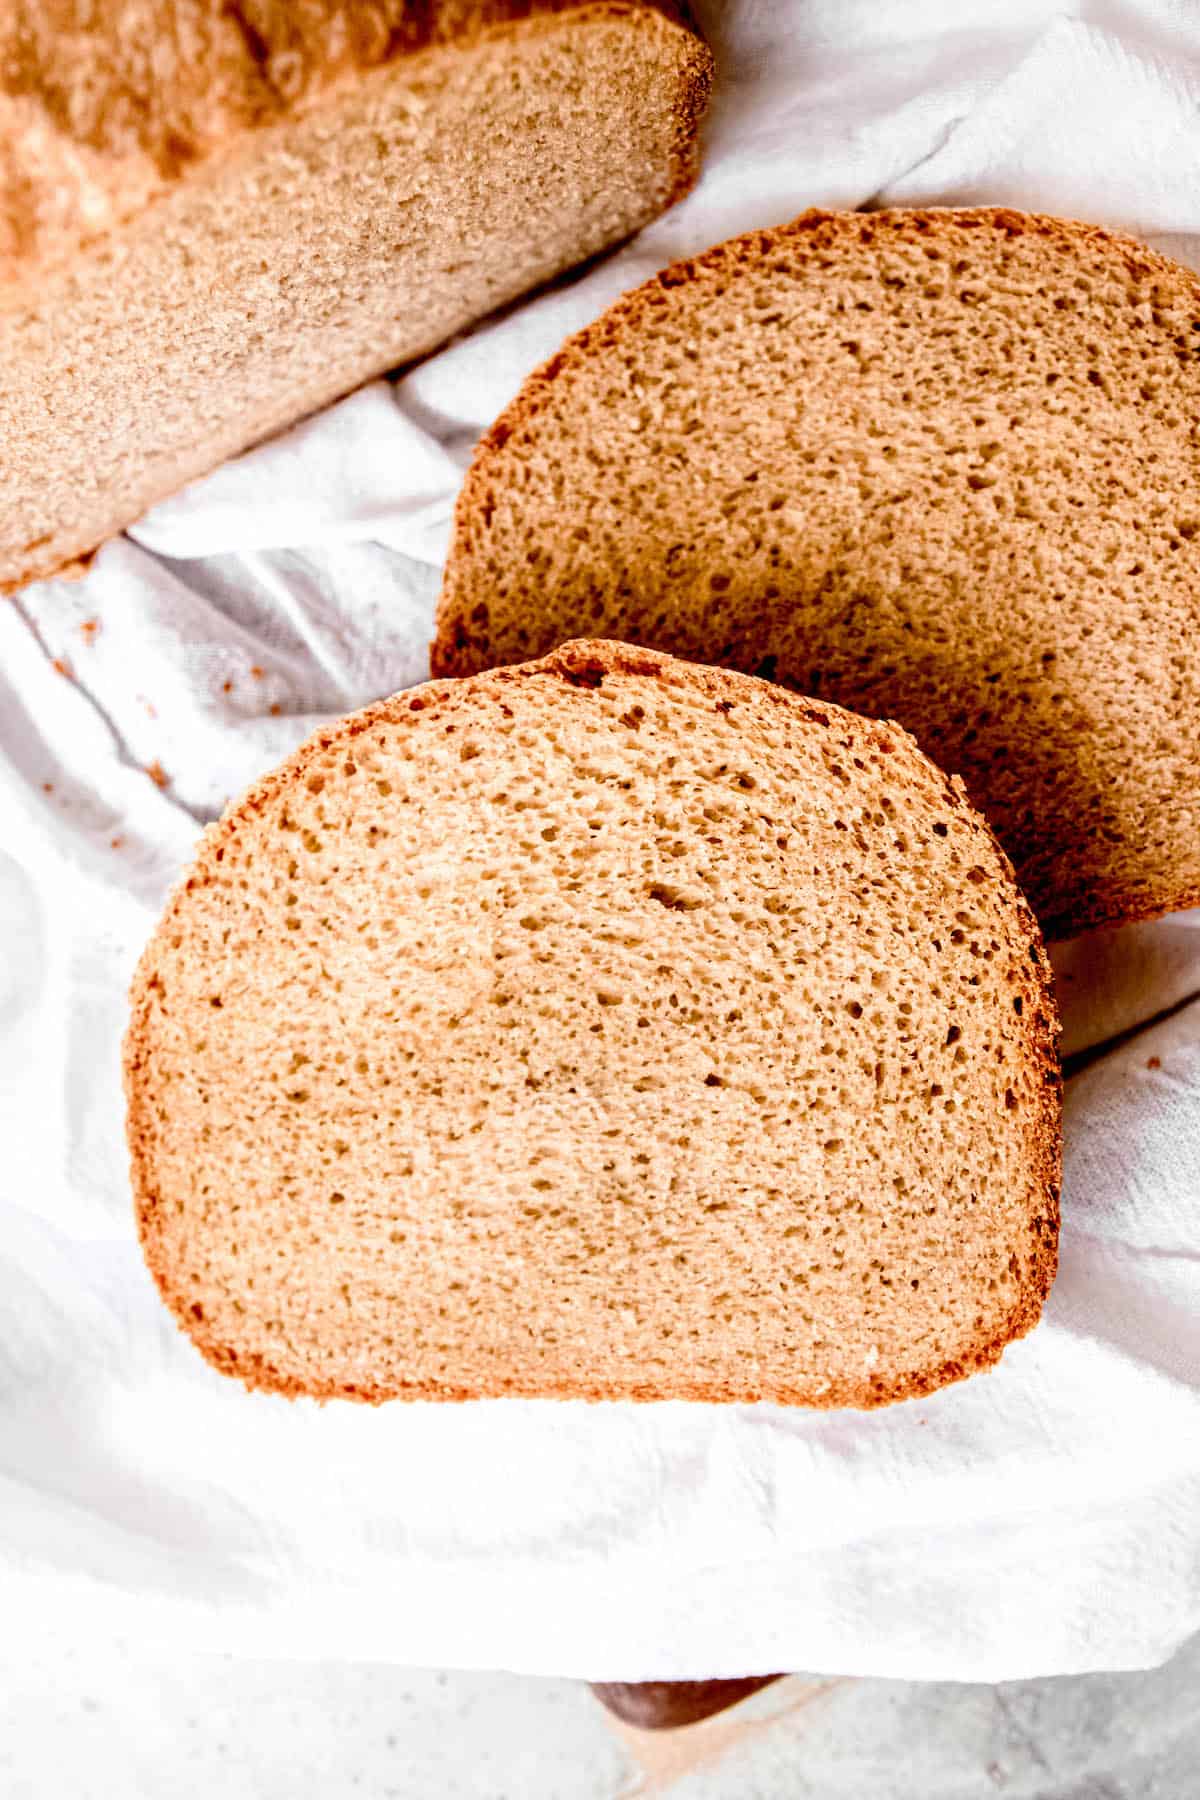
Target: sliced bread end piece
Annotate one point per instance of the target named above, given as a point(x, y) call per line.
point(194, 265)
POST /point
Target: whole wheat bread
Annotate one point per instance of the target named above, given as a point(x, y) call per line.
point(216, 217)
point(605, 1027)
point(938, 466)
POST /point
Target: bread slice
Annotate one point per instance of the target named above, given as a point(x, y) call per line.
point(607, 1027)
point(215, 218)
point(942, 467)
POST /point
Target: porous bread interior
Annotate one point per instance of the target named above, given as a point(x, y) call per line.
point(184, 315)
point(942, 467)
point(607, 1027)
point(101, 101)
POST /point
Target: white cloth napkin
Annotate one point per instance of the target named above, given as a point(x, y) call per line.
point(1041, 1519)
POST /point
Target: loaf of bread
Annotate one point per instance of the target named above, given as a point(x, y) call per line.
point(942, 467)
point(607, 1027)
point(217, 215)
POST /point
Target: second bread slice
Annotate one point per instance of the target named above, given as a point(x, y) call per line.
point(941, 467)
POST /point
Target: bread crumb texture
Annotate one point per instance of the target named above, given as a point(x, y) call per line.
point(937, 466)
point(607, 1027)
point(216, 217)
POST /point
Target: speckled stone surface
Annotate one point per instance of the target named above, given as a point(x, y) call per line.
point(100, 1721)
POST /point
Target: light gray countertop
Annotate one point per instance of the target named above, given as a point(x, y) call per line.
point(123, 1722)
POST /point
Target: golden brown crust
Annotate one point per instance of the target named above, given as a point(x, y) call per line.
point(585, 663)
point(695, 93)
point(1106, 911)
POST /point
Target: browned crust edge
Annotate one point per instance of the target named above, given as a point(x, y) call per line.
point(584, 663)
point(1102, 913)
point(695, 80)
point(454, 651)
